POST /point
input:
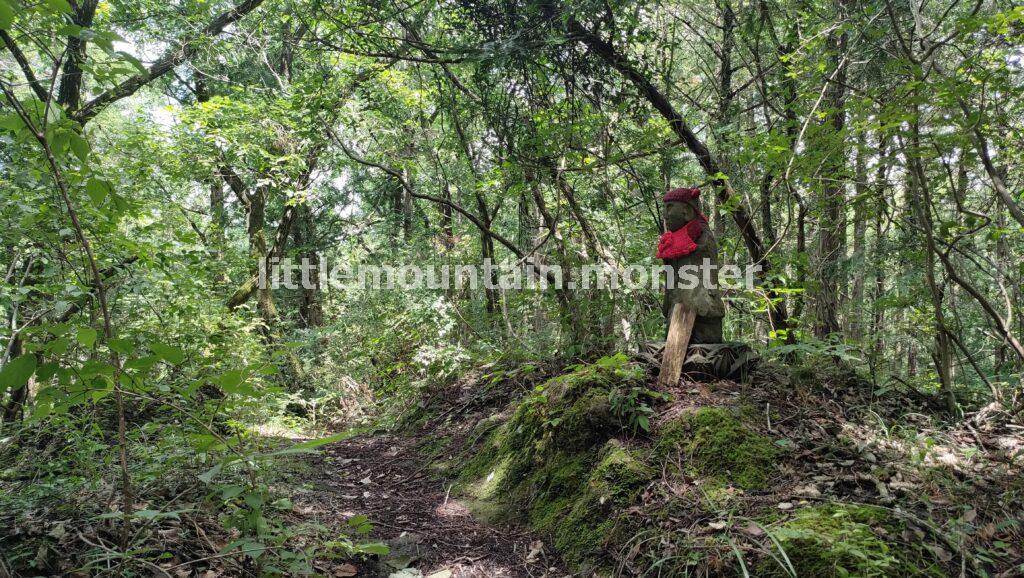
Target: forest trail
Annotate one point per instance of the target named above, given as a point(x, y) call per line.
point(391, 480)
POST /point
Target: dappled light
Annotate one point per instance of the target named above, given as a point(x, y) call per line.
point(517, 288)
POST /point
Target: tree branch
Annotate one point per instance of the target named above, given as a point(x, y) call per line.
point(26, 69)
point(405, 184)
point(660, 102)
point(164, 64)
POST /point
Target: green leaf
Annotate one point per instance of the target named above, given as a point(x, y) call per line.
point(17, 372)
point(6, 15)
point(253, 500)
point(46, 371)
point(10, 121)
point(79, 146)
point(61, 6)
point(142, 363)
point(86, 336)
point(59, 139)
point(58, 346)
point(228, 492)
point(70, 30)
point(97, 190)
point(378, 548)
point(123, 346)
point(139, 66)
point(209, 474)
point(168, 353)
point(230, 380)
point(358, 520)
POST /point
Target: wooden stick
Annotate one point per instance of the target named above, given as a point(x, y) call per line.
point(680, 328)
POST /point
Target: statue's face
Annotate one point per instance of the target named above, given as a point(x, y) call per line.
point(678, 214)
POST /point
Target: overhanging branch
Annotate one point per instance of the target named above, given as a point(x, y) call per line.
point(164, 64)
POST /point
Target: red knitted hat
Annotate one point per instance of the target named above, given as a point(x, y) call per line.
point(682, 194)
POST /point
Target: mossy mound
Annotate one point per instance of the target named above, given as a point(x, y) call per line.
point(557, 455)
point(841, 540)
point(583, 522)
point(716, 445)
point(562, 460)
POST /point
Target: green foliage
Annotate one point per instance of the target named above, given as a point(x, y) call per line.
point(306, 130)
point(17, 372)
point(632, 407)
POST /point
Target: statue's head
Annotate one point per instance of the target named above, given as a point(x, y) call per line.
point(680, 207)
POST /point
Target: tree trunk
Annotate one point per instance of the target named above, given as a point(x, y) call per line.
point(259, 252)
point(725, 98)
point(921, 204)
point(832, 202)
point(855, 316)
point(304, 236)
point(18, 396)
point(70, 93)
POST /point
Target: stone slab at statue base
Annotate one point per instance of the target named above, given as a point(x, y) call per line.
point(706, 361)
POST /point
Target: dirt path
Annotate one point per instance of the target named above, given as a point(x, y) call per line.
point(430, 532)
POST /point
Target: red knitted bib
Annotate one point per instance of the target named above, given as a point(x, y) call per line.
point(681, 242)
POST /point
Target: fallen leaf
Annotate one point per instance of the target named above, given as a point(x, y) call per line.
point(407, 573)
point(536, 549)
point(941, 553)
point(345, 570)
point(752, 529)
point(808, 490)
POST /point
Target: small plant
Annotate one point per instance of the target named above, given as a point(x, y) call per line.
point(345, 547)
point(632, 407)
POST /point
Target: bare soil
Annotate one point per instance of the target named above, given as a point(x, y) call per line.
point(430, 532)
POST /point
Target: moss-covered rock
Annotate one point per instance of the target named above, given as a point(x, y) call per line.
point(556, 456)
point(716, 445)
point(840, 540)
point(582, 522)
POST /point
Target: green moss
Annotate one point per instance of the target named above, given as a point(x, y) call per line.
point(485, 458)
point(836, 540)
point(621, 470)
point(589, 516)
point(583, 533)
point(567, 414)
point(554, 456)
point(716, 445)
point(487, 485)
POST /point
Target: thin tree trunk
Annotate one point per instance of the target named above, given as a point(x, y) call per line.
point(304, 236)
point(259, 252)
point(855, 316)
point(725, 98)
point(18, 396)
point(827, 283)
point(921, 205)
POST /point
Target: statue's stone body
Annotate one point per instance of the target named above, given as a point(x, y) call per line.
point(707, 301)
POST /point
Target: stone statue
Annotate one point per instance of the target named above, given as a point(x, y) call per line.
point(688, 242)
